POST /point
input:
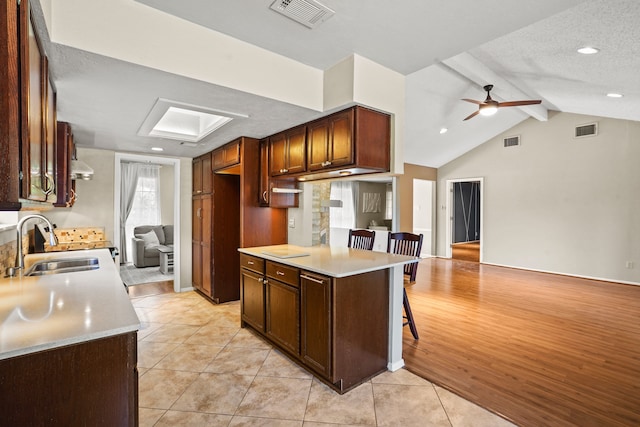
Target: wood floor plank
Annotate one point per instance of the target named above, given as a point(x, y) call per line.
point(539, 349)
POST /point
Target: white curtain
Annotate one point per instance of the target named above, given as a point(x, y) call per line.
point(140, 202)
point(128, 184)
point(344, 216)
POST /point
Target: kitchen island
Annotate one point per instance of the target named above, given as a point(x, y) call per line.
point(336, 311)
point(68, 346)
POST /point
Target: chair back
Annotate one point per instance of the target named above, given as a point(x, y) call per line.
point(361, 239)
point(406, 244)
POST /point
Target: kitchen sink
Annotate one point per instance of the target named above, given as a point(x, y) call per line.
point(66, 265)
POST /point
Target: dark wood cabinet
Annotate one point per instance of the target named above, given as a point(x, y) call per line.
point(252, 289)
point(65, 188)
point(33, 86)
point(226, 156)
point(287, 152)
point(282, 306)
point(266, 197)
point(330, 141)
point(49, 163)
point(315, 334)
point(93, 383)
point(202, 175)
point(201, 243)
point(337, 328)
point(357, 137)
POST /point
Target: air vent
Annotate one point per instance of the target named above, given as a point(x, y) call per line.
point(309, 13)
point(589, 129)
point(512, 141)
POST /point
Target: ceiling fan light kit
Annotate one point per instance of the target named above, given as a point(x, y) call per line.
point(489, 107)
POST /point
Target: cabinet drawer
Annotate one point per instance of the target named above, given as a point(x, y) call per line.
point(252, 263)
point(283, 273)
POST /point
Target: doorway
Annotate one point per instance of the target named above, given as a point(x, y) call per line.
point(464, 210)
point(175, 163)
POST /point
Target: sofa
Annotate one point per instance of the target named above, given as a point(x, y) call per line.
point(147, 240)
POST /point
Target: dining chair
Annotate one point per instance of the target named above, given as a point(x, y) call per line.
point(403, 243)
point(361, 239)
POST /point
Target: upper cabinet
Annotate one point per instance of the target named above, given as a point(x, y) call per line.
point(330, 141)
point(228, 155)
point(350, 142)
point(28, 113)
point(65, 186)
point(287, 152)
point(202, 175)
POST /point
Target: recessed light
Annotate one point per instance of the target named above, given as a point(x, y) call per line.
point(614, 95)
point(588, 50)
point(157, 149)
point(443, 130)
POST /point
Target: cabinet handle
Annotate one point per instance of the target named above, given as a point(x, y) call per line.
point(198, 212)
point(313, 279)
point(279, 273)
point(50, 184)
point(250, 262)
point(327, 163)
point(264, 195)
point(284, 170)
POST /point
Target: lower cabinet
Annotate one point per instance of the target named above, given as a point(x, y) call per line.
point(283, 306)
point(94, 383)
point(337, 328)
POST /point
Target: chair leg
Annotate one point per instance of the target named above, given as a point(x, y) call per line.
point(409, 315)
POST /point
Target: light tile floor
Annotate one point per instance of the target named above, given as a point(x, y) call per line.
point(199, 368)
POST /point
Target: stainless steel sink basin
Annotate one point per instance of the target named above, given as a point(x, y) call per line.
point(66, 265)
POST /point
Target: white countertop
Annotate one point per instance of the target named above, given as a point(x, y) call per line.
point(328, 260)
point(40, 313)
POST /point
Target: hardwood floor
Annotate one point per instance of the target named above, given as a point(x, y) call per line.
point(467, 251)
point(539, 349)
point(153, 288)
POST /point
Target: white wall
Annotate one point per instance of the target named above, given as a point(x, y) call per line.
point(557, 203)
point(166, 194)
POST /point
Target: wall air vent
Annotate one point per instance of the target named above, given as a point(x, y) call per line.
point(309, 13)
point(512, 141)
point(590, 129)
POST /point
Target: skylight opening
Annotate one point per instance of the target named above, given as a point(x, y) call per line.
point(183, 122)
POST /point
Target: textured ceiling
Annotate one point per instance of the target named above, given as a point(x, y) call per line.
point(446, 50)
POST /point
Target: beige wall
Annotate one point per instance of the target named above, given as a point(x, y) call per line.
point(557, 203)
point(166, 194)
point(404, 194)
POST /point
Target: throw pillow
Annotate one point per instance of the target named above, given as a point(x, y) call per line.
point(160, 233)
point(150, 239)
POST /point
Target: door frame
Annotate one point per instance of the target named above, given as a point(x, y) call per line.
point(449, 213)
point(175, 162)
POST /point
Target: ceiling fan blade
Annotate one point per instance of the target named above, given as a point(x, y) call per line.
point(473, 101)
point(518, 103)
point(475, 113)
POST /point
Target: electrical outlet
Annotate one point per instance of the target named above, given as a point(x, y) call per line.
point(630, 264)
point(292, 223)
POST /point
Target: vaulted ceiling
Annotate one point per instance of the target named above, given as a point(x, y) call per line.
point(445, 51)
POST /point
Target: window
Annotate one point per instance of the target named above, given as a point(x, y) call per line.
point(344, 216)
point(145, 209)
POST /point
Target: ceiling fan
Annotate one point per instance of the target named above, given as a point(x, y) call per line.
point(489, 107)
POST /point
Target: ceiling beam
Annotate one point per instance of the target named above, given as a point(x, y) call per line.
point(475, 71)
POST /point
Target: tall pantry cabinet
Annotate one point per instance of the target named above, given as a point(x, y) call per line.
point(226, 215)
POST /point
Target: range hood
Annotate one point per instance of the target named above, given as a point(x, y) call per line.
point(81, 170)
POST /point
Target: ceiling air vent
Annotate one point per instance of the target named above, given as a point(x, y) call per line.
point(309, 13)
point(512, 141)
point(589, 129)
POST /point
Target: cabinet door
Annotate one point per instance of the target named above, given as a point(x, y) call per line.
point(196, 265)
point(252, 298)
point(206, 254)
point(264, 196)
point(315, 333)
point(207, 174)
point(196, 243)
point(297, 150)
point(32, 108)
point(49, 160)
point(64, 150)
point(278, 155)
point(283, 315)
point(341, 139)
point(232, 153)
point(318, 145)
point(196, 175)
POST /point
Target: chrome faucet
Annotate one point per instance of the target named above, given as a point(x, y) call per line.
point(53, 241)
